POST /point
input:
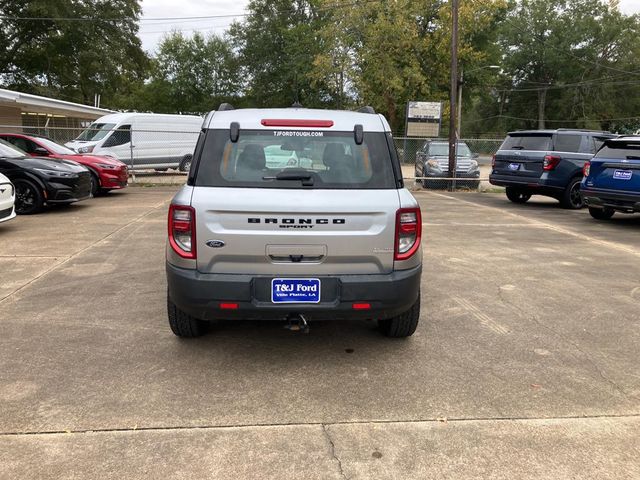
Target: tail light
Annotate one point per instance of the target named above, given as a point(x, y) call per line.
point(408, 232)
point(493, 161)
point(586, 169)
point(182, 230)
point(550, 162)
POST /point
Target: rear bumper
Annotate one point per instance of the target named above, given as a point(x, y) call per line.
point(200, 295)
point(531, 183)
point(619, 201)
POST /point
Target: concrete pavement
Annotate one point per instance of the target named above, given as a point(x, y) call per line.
point(525, 364)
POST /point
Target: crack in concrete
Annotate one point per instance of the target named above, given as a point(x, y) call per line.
point(332, 448)
point(321, 424)
point(564, 338)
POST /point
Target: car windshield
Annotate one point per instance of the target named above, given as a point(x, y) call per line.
point(284, 159)
point(9, 151)
point(95, 132)
point(442, 150)
point(55, 147)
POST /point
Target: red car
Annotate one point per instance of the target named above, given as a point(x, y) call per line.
point(106, 173)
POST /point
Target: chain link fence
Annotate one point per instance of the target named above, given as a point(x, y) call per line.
point(169, 152)
point(429, 167)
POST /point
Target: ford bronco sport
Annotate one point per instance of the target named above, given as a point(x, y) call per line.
point(294, 214)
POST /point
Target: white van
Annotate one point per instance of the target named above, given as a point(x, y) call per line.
point(142, 140)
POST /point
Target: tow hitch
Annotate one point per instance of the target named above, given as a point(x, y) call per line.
point(297, 323)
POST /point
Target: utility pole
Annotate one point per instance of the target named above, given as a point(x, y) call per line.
point(453, 137)
point(460, 83)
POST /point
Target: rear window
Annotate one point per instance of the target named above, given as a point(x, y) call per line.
point(294, 159)
point(619, 151)
point(527, 142)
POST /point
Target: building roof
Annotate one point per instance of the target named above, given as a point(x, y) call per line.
point(36, 103)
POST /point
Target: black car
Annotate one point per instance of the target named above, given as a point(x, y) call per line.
point(40, 181)
point(432, 165)
point(545, 162)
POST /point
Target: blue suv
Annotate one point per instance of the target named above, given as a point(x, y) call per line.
point(545, 162)
point(612, 179)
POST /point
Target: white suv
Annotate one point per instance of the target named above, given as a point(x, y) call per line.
point(7, 199)
point(294, 214)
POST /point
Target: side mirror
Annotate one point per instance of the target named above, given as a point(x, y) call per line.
point(475, 155)
point(41, 152)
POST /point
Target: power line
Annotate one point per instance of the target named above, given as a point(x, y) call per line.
point(186, 19)
point(594, 82)
point(565, 52)
point(552, 121)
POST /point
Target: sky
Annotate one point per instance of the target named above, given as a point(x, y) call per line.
point(151, 31)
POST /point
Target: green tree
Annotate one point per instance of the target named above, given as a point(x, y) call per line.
point(191, 75)
point(567, 64)
point(96, 52)
point(394, 52)
point(277, 44)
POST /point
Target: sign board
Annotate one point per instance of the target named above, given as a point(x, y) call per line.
point(424, 110)
point(423, 119)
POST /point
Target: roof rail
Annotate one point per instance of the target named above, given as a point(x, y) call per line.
point(225, 106)
point(366, 109)
point(581, 130)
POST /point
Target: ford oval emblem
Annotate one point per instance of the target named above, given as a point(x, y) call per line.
point(215, 243)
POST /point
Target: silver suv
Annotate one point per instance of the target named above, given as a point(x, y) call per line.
point(294, 214)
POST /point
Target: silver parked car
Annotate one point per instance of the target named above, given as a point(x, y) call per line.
point(330, 233)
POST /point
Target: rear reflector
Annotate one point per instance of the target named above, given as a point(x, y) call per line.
point(361, 306)
point(229, 306)
point(279, 122)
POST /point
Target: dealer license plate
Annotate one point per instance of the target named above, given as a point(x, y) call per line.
point(622, 174)
point(295, 290)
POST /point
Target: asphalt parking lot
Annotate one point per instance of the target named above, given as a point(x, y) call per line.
point(526, 363)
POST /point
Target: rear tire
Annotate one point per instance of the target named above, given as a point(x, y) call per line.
point(403, 325)
point(601, 213)
point(29, 198)
point(517, 195)
point(182, 324)
point(572, 198)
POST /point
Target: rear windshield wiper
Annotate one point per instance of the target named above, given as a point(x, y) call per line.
point(306, 178)
point(517, 147)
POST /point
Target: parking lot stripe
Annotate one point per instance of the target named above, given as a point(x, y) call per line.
point(550, 226)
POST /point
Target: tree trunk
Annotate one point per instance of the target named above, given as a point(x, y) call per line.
point(542, 98)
